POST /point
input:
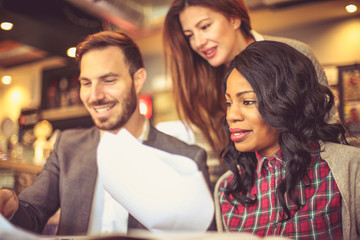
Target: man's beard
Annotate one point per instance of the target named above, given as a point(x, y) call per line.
point(128, 106)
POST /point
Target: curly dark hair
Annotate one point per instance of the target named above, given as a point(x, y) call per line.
point(290, 99)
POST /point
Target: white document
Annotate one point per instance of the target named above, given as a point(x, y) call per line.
point(165, 192)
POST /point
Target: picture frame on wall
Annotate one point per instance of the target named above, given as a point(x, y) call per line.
point(349, 90)
point(60, 101)
point(332, 75)
point(60, 88)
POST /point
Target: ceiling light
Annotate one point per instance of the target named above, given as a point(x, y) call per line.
point(71, 52)
point(6, 80)
point(6, 26)
point(351, 8)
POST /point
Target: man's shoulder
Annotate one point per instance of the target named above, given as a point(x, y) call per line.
point(165, 142)
point(79, 135)
point(79, 131)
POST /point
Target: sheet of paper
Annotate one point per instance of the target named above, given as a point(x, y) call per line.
point(165, 192)
point(11, 232)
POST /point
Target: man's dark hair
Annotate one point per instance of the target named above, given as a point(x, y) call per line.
point(105, 39)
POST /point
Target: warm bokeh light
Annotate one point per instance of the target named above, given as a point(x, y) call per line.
point(6, 26)
point(6, 79)
point(71, 52)
point(15, 96)
point(351, 8)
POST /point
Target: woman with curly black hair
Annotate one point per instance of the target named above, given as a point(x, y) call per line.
point(291, 172)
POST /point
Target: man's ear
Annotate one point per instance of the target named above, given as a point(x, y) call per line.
point(235, 22)
point(139, 80)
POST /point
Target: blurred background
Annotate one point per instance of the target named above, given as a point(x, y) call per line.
point(39, 87)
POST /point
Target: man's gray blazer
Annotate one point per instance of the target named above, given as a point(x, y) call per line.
point(68, 179)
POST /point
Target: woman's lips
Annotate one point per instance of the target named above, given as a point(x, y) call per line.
point(238, 135)
point(209, 53)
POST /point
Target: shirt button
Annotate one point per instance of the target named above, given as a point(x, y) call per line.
point(272, 162)
point(275, 225)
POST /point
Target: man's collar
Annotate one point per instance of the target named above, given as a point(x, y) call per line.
point(145, 131)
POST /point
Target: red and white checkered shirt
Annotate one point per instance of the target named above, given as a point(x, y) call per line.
point(319, 218)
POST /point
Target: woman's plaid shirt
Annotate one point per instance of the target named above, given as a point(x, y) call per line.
point(319, 218)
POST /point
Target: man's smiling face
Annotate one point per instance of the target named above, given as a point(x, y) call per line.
point(107, 89)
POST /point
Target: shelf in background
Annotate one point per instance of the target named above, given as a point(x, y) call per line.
point(64, 113)
point(20, 166)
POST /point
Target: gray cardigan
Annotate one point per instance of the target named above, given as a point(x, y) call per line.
point(344, 162)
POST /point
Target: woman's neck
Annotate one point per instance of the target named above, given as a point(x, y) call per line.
point(243, 41)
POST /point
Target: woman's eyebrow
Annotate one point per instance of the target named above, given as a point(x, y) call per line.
point(240, 93)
